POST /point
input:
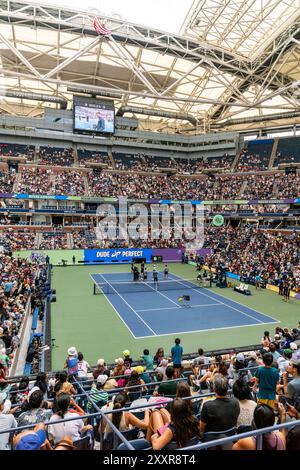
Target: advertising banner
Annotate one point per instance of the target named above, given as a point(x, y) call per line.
point(116, 255)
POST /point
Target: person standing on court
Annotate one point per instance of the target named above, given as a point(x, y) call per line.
point(166, 272)
point(142, 267)
point(176, 353)
point(155, 276)
point(73, 259)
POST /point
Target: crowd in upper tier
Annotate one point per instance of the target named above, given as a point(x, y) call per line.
point(108, 183)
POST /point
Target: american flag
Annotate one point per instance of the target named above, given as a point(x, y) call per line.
point(100, 28)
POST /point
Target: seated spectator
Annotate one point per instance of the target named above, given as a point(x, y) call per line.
point(204, 379)
point(239, 369)
point(63, 386)
point(7, 421)
point(162, 368)
point(42, 383)
point(133, 384)
point(283, 361)
point(97, 394)
point(183, 390)
point(179, 426)
point(35, 439)
point(242, 392)
point(101, 369)
point(253, 362)
point(293, 387)
point(264, 417)
point(124, 420)
point(65, 444)
point(23, 390)
point(143, 374)
point(199, 361)
point(65, 407)
point(293, 434)
point(221, 413)
point(37, 411)
point(119, 370)
point(169, 387)
point(127, 359)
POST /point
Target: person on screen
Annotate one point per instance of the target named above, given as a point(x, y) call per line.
point(100, 123)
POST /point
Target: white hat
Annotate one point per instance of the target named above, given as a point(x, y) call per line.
point(100, 362)
point(72, 351)
point(101, 379)
point(293, 346)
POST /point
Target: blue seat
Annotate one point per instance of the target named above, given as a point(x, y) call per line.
point(215, 435)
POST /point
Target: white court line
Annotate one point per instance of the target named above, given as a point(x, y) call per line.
point(231, 300)
point(233, 308)
point(165, 296)
point(173, 308)
point(128, 305)
point(135, 337)
point(207, 329)
point(226, 305)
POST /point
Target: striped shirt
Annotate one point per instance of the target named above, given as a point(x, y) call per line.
point(100, 397)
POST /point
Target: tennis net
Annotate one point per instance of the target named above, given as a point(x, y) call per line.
point(126, 287)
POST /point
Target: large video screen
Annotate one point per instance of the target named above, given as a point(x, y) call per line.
point(93, 116)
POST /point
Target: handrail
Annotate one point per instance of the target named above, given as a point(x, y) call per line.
point(256, 432)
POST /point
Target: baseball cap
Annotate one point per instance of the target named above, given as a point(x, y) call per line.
point(101, 379)
point(139, 369)
point(126, 353)
point(240, 357)
point(100, 362)
point(293, 346)
point(32, 440)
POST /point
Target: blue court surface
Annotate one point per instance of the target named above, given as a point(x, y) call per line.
point(150, 311)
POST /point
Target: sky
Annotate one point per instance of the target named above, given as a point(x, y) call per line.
point(166, 15)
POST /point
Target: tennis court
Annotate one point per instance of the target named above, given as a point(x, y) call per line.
point(153, 310)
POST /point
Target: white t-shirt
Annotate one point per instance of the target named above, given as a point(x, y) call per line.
point(71, 428)
point(83, 368)
point(7, 421)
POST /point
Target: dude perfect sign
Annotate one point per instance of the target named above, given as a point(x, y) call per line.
point(125, 255)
